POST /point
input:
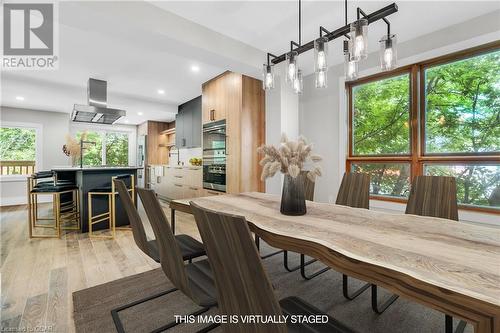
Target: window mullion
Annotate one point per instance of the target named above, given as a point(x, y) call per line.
point(103, 148)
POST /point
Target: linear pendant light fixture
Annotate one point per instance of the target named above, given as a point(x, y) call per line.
point(355, 49)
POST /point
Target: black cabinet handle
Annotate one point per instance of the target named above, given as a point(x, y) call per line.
point(212, 114)
point(183, 142)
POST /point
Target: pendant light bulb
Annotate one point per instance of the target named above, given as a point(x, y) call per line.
point(359, 40)
point(321, 79)
point(321, 54)
point(298, 84)
point(268, 77)
point(388, 52)
point(292, 67)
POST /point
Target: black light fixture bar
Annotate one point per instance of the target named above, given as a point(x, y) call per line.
point(373, 17)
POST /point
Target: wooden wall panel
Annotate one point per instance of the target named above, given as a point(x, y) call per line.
point(253, 117)
point(231, 102)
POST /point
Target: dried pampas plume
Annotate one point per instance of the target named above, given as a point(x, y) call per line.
point(72, 146)
point(289, 158)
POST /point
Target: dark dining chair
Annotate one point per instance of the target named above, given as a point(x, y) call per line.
point(354, 192)
point(435, 196)
point(194, 279)
point(243, 287)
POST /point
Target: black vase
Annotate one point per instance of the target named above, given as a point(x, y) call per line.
point(292, 198)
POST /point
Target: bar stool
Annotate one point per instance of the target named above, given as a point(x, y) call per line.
point(109, 215)
point(66, 213)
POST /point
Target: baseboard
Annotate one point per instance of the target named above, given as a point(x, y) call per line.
point(14, 201)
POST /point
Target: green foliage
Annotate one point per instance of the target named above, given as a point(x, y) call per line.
point(381, 117)
point(114, 143)
point(463, 106)
point(17, 144)
point(388, 179)
point(92, 155)
point(116, 149)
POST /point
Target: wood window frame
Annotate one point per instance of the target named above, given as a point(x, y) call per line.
point(418, 157)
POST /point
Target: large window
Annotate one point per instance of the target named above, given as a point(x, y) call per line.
point(107, 148)
point(17, 150)
point(440, 117)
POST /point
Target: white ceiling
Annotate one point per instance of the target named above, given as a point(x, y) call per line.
point(140, 47)
point(271, 25)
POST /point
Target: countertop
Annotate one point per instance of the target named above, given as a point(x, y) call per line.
point(94, 168)
point(177, 166)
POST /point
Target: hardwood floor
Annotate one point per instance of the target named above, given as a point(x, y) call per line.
point(38, 276)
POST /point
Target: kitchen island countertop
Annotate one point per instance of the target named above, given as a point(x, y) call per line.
point(93, 168)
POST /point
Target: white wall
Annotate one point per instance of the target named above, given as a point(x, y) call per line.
point(323, 115)
point(54, 128)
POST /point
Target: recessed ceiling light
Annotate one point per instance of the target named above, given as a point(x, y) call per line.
point(161, 91)
point(140, 113)
point(20, 98)
point(195, 68)
point(126, 121)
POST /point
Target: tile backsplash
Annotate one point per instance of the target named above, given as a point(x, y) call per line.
point(185, 155)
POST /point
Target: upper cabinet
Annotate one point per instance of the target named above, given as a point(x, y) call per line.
point(216, 93)
point(188, 124)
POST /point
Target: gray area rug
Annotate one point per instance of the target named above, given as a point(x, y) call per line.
point(92, 306)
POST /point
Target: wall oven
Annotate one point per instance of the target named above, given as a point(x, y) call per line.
point(214, 155)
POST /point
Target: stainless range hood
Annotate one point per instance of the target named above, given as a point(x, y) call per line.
point(96, 112)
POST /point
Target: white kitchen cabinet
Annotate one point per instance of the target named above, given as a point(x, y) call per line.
point(177, 182)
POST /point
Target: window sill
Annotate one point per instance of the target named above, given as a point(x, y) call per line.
point(478, 209)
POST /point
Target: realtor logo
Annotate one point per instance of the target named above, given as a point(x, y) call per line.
point(29, 36)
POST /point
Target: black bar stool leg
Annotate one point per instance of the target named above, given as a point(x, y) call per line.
point(303, 269)
point(345, 288)
point(380, 309)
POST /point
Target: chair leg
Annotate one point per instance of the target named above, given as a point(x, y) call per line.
point(174, 323)
point(449, 325)
point(257, 244)
point(116, 317)
point(345, 288)
point(380, 309)
point(303, 269)
point(293, 269)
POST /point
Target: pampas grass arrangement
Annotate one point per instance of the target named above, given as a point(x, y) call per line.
point(72, 146)
point(289, 158)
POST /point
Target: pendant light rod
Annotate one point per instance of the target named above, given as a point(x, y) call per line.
point(269, 55)
point(300, 22)
point(388, 26)
point(345, 8)
point(373, 17)
point(361, 12)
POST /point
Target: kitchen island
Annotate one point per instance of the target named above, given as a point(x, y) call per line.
point(88, 178)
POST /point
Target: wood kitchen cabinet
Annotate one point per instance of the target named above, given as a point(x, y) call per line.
point(215, 94)
point(240, 100)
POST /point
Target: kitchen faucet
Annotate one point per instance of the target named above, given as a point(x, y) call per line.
point(178, 154)
point(82, 142)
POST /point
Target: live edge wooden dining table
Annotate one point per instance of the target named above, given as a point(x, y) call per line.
point(450, 266)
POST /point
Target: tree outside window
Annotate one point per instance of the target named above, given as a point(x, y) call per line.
point(460, 127)
point(110, 148)
point(17, 150)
